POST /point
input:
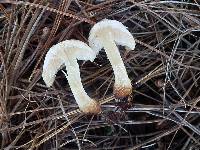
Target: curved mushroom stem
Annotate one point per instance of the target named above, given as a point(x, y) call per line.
point(121, 77)
point(85, 103)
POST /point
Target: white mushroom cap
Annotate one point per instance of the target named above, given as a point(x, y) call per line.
point(55, 58)
point(120, 33)
point(66, 53)
point(106, 34)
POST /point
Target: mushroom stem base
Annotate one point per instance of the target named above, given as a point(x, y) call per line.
point(93, 107)
point(121, 92)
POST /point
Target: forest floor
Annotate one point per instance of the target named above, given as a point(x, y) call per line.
point(163, 111)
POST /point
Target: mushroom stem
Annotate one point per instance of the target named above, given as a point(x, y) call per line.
point(86, 104)
point(121, 77)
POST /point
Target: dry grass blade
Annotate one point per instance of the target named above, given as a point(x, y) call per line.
point(47, 8)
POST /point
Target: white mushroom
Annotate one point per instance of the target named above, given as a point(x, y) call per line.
point(105, 34)
point(66, 53)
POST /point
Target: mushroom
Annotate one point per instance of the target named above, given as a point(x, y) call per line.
point(66, 53)
point(106, 34)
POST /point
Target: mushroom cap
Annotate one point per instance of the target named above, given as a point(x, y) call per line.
point(58, 55)
point(117, 30)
